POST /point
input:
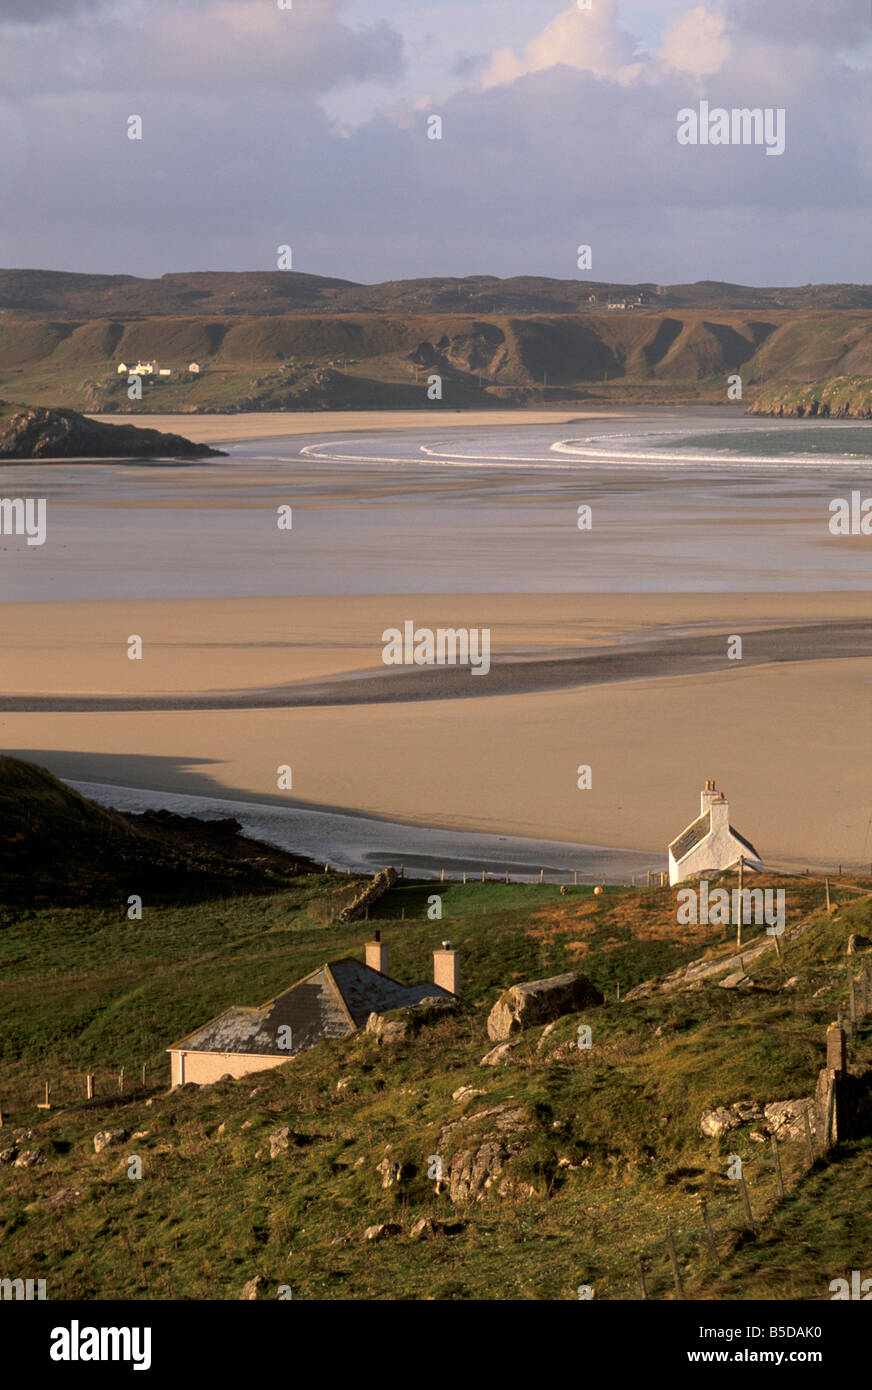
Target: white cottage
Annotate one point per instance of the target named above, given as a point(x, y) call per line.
point(710, 844)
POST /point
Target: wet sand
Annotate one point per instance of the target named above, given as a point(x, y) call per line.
point(786, 740)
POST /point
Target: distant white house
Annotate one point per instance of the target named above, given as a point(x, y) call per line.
point(165, 371)
point(144, 369)
point(710, 844)
point(121, 368)
point(194, 367)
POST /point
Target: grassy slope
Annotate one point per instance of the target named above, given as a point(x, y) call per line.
point(844, 396)
point(207, 1214)
point(358, 360)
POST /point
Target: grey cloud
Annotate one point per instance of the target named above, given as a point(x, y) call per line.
point(805, 21)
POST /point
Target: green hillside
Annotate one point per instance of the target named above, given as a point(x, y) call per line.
point(379, 360)
point(590, 1151)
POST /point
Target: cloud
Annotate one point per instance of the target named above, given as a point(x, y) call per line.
point(805, 21)
point(696, 42)
point(202, 44)
point(588, 40)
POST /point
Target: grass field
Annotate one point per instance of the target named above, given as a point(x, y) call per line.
point(608, 1140)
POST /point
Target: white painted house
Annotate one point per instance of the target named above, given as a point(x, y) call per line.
point(121, 368)
point(710, 844)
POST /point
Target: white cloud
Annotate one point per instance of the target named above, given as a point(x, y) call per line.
point(588, 40)
point(697, 42)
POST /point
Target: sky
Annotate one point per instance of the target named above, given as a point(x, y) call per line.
point(310, 127)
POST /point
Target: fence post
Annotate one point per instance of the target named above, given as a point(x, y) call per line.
point(778, 1173)
point(676, 1273)
point(710, 1235)
point(89, 1085)
point(747, 1202)
point(808, 1137)
point(121, 1082)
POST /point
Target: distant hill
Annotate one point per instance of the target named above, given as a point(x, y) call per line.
point(38, 294)
point(279, 340)
point(57, 847)
point(32, 432)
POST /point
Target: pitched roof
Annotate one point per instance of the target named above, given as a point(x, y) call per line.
point(742, 841)
point(331, 1002)
point(689, 838)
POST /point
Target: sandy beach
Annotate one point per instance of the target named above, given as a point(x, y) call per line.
point(784, 740)
point(261, 651)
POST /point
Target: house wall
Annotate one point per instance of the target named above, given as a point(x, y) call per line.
point(205, 1067)
point(719, 850)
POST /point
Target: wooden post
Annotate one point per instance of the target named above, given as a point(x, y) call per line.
point(676, 1273)
point(640, 1275)
point(143, 1073)
point(648, 880)
point(831, 1135)
point(808, 1138)
point(507, 875)
point(482, 875)
point(634, 881)
point(464, 875)
point(326, 868)
point(741, 902)
point(778, 1173)
point(442, 876)
point(44, 1104)
point(575, 877)
point(827, 886)
point(89, 1085)
point(747, 1202)
point(618, 996)
point(541, 875)
point(121, 1082)
point(853, 1006)
point(710, 1235)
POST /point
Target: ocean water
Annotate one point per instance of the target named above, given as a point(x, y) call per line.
point(682, 501)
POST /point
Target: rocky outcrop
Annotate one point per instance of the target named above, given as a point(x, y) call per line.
point(105, 1137)
point(482, 1144)
point(782, 1118)
point(369, 895)
point(856, 943)
point(399, 1024)
point(34, 432)
point(539, 1001)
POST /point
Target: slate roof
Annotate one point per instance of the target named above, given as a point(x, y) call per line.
point(330, 1003)
point(742, 841)
point(696, 833)
point(690, 838)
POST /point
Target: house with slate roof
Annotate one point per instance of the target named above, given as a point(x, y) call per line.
point(331, 1002)
point(710, 844)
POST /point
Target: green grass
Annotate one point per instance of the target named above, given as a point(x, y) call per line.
point(87, 988)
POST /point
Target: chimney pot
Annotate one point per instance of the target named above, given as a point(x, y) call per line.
point(377, 955)
point(446, 968)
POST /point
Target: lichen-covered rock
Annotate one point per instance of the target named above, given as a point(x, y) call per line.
point(482, 1144)
point(425, 1228)
point(539, 1001)
point(382, 1231)
point(105, 1137)
point(279, 1141)
point(498, 1056)
point(391, 1172)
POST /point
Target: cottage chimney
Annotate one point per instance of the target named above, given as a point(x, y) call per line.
point(377, 955)
point(708, 794)
point(446, 968)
